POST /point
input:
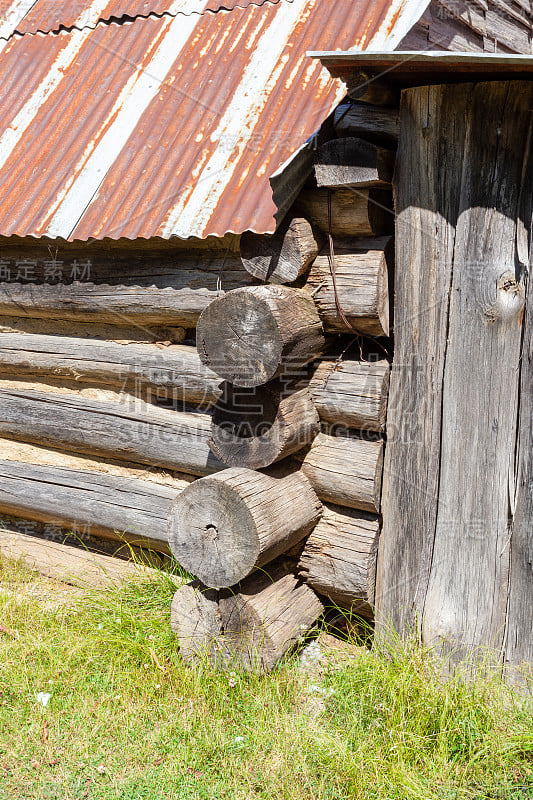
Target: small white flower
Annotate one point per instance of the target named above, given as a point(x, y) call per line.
point(239, 739)
point(118, 620)
point(50, 683)
point(44, 698)
point(101, 769)
point(101, 626)
point(146, 666)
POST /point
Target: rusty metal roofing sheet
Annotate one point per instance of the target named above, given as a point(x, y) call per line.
point(45, 16)
point(170, 126)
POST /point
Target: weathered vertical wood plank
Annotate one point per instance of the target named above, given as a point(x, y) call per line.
point(445, 552)
point(425, 215)
point(519, 634)
point(466, 601)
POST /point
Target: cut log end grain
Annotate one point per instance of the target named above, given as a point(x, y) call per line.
point(228, 524)
point(247, 335)
point(248, 629)
point(255, 427)
point(352, 162)
point(284, 256)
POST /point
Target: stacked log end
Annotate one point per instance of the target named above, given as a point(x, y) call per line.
point(248, 335)
point(249, 628)
point(224, 526)
point(255, 429)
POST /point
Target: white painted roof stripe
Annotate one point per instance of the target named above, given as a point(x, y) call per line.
point(126, 112)
point(14, 15)
point(191, 214)
point(400, 18)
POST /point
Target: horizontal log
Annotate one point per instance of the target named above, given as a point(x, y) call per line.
point(224, 526)
point(284, 256)
point(176, 368)
point(345, 471)
point(121, 305)
point(348, 212)
point(379, 125)
point(255, 427)
point(101, 504)
point(248, 629)
point(248, 335)
point(353, 163)
point(72, 565)
point(339, 558)
point(352, 393)
point(137, 432)
point(362, 286)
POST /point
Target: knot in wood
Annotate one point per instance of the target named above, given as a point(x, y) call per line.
point(510, 299)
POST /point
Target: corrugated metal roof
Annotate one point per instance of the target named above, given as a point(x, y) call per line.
point(171, 126)
point(46, 16)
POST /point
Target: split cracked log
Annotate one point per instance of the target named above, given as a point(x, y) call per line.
point(146, 305)
point(248, 629)
point(224, 526)
point(255, 427)
point(138, 432)
point(283, 257)
point(339, 558)
point(354, 212)
point(352, 162)
point(345, 471)
point(381, 125)
point(146, 366)
point(352, 393)
point(361, 275)
point(91, 501)
point(248, 335)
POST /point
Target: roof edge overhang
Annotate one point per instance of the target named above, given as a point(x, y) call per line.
point(412, 68)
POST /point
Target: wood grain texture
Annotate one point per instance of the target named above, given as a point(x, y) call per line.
point(226, 525)
point(132, 431)
point(350, 162)
point(339, 558)
point(72, 565)
point(104, 505)
point(345, 471)
point(284, 256)
point(121, 305)
point(248, 629)
point(361, 276)
point(445, 551)
point(378, 125)
point(250, 334)
point(352, 394)
point(361, 212)
point(254, 428)
point(141, 367)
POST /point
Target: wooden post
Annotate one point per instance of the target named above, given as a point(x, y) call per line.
point(455, 553)
point(230, 523)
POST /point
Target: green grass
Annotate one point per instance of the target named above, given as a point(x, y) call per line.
point(129, 721)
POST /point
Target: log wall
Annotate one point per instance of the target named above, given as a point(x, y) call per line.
point(211, 399)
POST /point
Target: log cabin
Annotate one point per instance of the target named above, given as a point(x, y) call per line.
point(264, 305)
